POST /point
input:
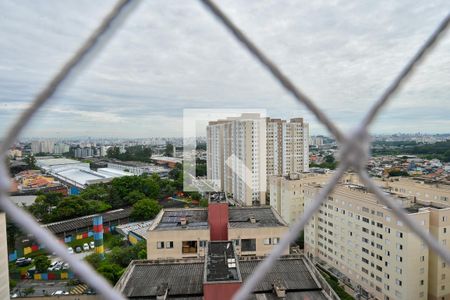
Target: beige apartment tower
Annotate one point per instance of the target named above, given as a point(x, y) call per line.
point(242, 153)
point(373, 251)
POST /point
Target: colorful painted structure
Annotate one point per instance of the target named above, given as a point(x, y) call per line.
point(98, 236)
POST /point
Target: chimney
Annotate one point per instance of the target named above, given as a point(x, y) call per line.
point(279, 289)
point(252, 219)
point(161, 291)
point(183, 221)
point(218, 221)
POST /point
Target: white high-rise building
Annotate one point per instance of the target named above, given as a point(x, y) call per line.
point(243, 151)
point(45, 146)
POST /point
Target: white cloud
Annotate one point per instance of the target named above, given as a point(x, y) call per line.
point(172, 55)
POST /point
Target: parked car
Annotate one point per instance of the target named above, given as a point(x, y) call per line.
point(54, 265)
point(58, 266)
point(70, 250)
point(23, 261)
point(92, 245)
point(78, 249)
point(65, 266)
point(85, 247)
point(60, 293)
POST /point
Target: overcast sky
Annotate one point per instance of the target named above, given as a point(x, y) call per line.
point(172, 55)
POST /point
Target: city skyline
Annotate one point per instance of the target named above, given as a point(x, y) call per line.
point(138, 87)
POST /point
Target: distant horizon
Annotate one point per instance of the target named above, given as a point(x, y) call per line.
point(181, 137)
point(166, 58)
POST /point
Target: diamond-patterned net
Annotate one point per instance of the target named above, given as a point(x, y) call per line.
point(354, 147)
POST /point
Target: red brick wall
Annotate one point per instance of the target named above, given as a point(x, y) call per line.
point(218, 221)
point(220, 291)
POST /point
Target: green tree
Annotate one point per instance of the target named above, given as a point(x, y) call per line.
point(42, 263)
point(145, 209)
point(28, 291)
point(30, 160)
point(204, 203)
point(112, 272)
point(169, 150)
point(134, 196)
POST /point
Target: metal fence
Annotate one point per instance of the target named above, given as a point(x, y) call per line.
point(354, 147)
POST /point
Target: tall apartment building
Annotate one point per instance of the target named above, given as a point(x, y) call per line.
point(44, 146)
point(374, 252)
point(287, 146)
point(236, 157)
point(243, 151)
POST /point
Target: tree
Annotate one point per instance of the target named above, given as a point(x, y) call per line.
point(169, 150)
point(134, 196)
point(145, 209)
point(30, 160)
point(204, 203)
point(42, 263)
point(28, 291)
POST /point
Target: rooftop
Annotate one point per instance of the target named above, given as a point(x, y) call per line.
point(184, 279)
point(81, 222)
point(221, 263)
point(239, 217)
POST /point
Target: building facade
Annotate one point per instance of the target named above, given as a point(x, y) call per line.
point(374, 252)
point(4, 275)
point(184, 233)
point(243, 152)
point(287, 196)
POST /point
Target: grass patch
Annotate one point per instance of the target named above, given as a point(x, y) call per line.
point(76, 243)
point(334, 283)
point(37, 253)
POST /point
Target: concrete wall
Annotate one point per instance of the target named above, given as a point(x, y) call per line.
point(4, 276)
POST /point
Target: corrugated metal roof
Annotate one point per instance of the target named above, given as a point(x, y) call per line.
point(186, 279)
point(81, 222)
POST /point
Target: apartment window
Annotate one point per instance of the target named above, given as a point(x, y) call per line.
point(248, 245)
point(276, 240)
point(236, 242)
point(387, 229)
point(169, 245)
point(388, 218)
point(365, 260)
point(365, 219)
point(422, 258)
point(379, 268)
point(399, 234)
point(422, 270)
point(445, 230)
point(422, 282)
point(442, 287)
point(189, 247)
point(398, 282)
point(399, 247)
point(421, 294)
point(203, 243)
point(160, 245)
point(398, 270)
point(267, 241)
point(399, 258)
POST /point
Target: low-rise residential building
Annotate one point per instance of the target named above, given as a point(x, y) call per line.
point(371, 250)
point(219, 276)
point(184, 233)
